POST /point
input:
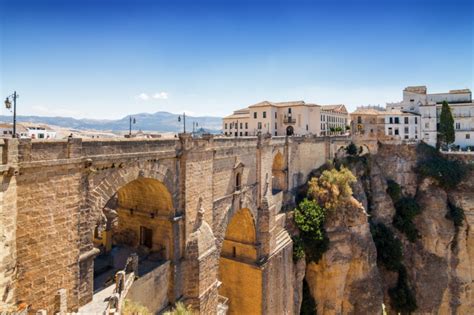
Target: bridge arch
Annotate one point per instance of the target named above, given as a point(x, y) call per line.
point(278, 173)
point(239, 274)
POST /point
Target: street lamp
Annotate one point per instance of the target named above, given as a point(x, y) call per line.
point(184, 121)
point(132, 121)
point(8, 105)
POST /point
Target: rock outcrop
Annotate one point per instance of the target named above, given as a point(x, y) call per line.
point(440, 264)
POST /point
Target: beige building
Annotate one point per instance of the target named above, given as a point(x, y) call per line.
point(277, 119)
point(334, 118)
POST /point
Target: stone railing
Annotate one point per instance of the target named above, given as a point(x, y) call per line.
point(123, 282)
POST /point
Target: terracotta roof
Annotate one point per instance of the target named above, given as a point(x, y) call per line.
point(282, 104)
point(368, 111)
point(341, 108)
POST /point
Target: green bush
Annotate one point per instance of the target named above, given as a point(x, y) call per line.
point(308, 304)
point(351, 149)
point(310, 219)
point(389, 248)
point(394, 190)
point(402, 298)
point(455, 214)
point(447, 173)
point(298, 248)
point(406, 209)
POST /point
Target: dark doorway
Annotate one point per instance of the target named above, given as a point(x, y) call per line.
point(146, 236)
point(289, 131)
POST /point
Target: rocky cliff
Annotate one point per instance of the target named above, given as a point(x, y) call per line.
point(435, 271)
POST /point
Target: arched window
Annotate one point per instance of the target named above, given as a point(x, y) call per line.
point(237, 182)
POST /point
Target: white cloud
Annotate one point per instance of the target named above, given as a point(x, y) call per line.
point(143, 97)
point(161, 96)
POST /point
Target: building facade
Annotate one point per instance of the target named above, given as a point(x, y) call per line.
point(401, 125)
point(27, 130)
point(276, 119)
point(334, 119)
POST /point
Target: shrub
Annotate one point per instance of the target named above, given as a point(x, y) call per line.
point(402, 298)
point(333, 188)
point(180, 309)
point(310, 219)
point(447, 173)
point(351, 149)
point(389, 248)
point(308, 304)
point(298, 248)
point(394, 190)
point(132, 308)
point(406, 209)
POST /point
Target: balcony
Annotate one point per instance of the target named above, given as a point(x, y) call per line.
point(289, 120)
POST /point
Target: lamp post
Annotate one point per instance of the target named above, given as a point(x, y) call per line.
point(195, 125)
point(8, 105)
point(184, 121)
point(132, 121)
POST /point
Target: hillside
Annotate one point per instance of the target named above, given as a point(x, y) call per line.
point(159, 121)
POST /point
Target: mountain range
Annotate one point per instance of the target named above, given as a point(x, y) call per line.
point(159, 121)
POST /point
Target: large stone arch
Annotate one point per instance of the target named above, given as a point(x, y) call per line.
point(238, 267)
point(99, 194)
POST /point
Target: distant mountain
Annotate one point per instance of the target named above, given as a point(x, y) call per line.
point(160, 121)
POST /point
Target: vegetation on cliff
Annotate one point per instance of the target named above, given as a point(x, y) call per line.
point(402, 297)
point(389, 247)
point(448, 174)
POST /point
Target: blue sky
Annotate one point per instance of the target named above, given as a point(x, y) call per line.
point(110, 58)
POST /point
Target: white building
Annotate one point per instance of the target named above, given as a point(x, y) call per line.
point(277, 119)
point(417, 100)
point(402, 125)
point(334, 118)
point(28, 130)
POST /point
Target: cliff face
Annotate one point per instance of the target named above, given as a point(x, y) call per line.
point(439, 264)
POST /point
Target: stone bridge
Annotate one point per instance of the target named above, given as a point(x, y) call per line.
point(210, 212)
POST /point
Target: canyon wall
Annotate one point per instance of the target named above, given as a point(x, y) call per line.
point(349, 279)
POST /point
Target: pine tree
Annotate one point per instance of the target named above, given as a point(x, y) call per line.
point(446, 125)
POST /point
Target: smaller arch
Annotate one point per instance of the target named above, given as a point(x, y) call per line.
point(278, 173)
point(290, 131)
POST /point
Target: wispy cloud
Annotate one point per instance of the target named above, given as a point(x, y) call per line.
point(157, 96)
point(143, 97)
point(161, 96)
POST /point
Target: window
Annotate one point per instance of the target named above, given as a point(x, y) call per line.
point(264, 114)
point(241, 133)
point(146, 236)
point(391, 120)
point(397, 120)
point(246, 125)
point(427, 125)
point(41, 135)
point(255, 115)
point(307, 128)
point(468, 136)
point(225, 126)
point(390, 131)
point(359, 120)
point(406, 136)
point(275, 115)
point(235, 134)
point(276, 133)
point(416, 120)
point(458, 126)
point(246, 133)
point(406, 120)
point(237, 182)
point(276, 127)
point(407, 130)
point(289, 110)
point(259, 126)
point(241, 125)
point(396, 132)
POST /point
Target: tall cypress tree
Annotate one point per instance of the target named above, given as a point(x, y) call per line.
point(446, 125)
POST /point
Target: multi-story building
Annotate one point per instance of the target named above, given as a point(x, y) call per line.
point(367, 122)
point(417, 100)
point(402, 125)
point(334, 118)
point(277, 119)
point(28, 130)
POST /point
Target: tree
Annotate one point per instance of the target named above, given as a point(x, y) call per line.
point(351, 149)
point(446, 125)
